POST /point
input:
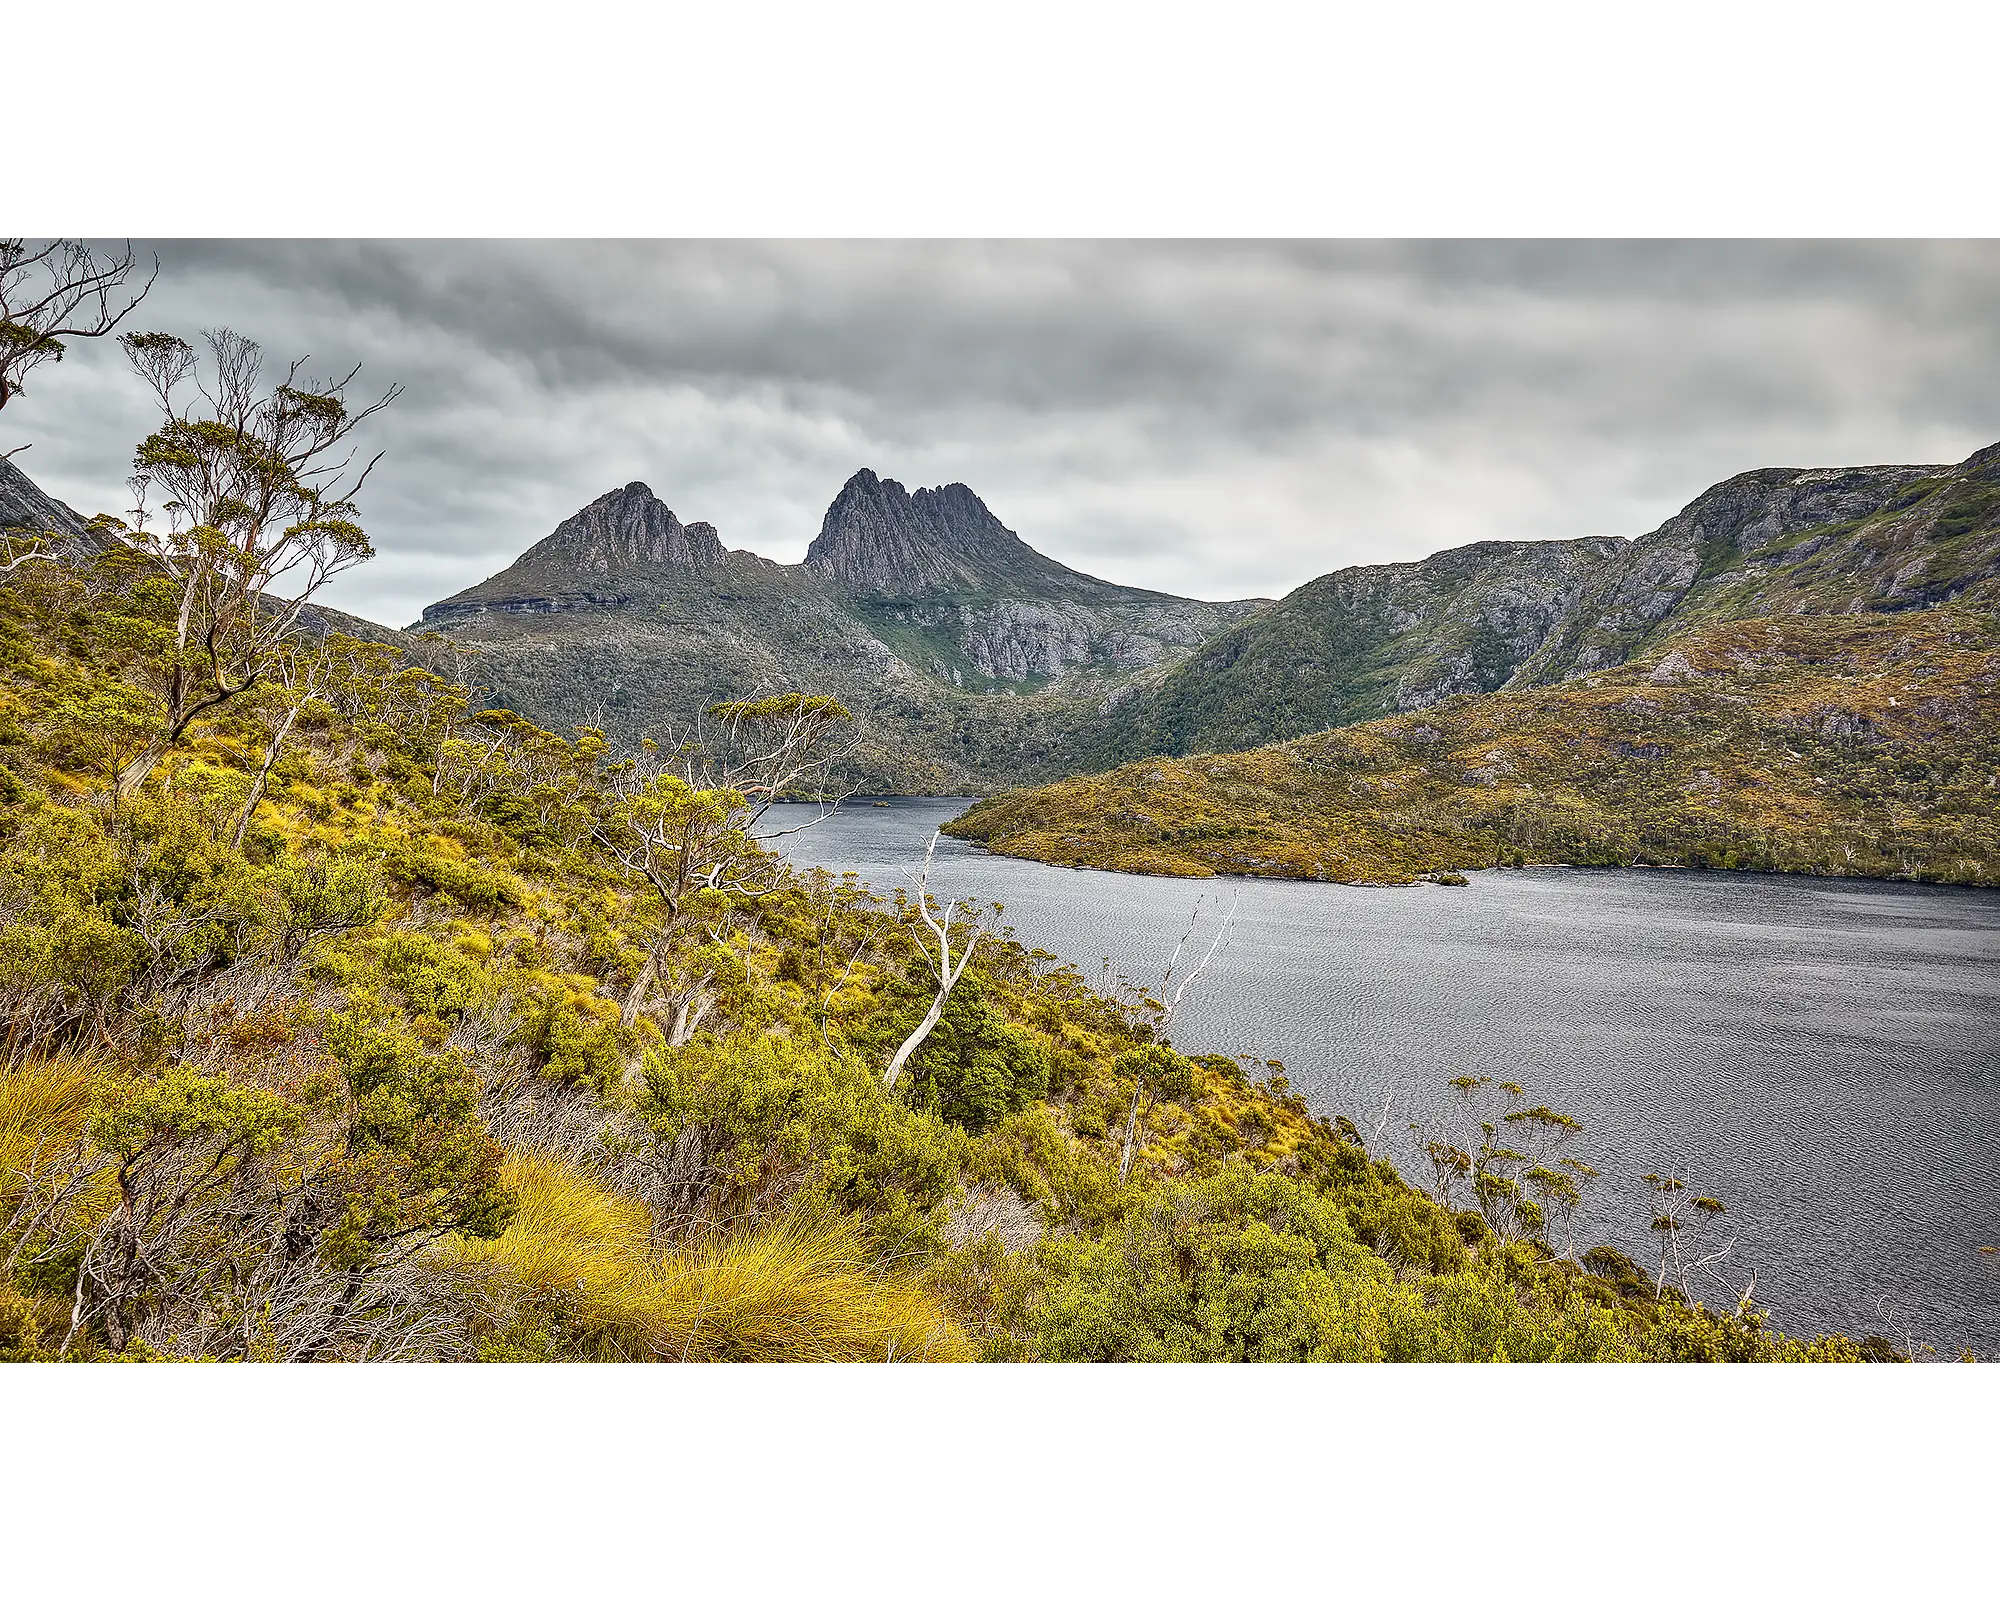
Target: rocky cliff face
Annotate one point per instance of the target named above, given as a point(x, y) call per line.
point(629, 530)
point(1774, 539)
point(619, 546)
point(25, 509)
point(965, 598)
point(879, 540)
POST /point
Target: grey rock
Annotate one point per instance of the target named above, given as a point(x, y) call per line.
point(25, 509)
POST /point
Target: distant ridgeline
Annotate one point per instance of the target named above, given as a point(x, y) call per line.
point(1796, 673)
point(975, 663)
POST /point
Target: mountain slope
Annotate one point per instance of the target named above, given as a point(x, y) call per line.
point(26, 511)
point(1862, 745)
point(970, 659)
point(1367, 641)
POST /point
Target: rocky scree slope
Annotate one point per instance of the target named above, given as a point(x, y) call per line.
point(970, 659)
point(1368, 641)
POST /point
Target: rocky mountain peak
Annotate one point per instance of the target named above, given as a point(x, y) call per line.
point(1752, 509)
point(1982, 462)
point(617, 547)
point(625, 529)
point(879, 538)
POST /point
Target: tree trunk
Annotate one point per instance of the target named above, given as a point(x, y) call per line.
point(137, 771)
point(263, 776)
point(689, 1015)
point(1131, 1131)
point(635, 997)
point(910, 1045)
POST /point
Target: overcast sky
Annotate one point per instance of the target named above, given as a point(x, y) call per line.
point(1209, 419)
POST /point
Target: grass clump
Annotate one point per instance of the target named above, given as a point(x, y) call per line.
point(578, 1276)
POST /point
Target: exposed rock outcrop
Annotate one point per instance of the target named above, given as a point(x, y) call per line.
point(1367, 641)
point(25, 509)
point(879, 540)
point(620, 545)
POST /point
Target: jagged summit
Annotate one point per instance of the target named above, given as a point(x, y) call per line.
point(628, 527)
point(614, 546)
point(878, 538)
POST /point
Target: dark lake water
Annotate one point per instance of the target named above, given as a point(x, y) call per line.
point(1824, 1057)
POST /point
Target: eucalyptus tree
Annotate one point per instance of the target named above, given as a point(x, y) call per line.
point(60, 291)
point(687, 827)
point(245, 504)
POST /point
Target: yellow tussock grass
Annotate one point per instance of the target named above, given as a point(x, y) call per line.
point(43, 1107)
point(801, 1289)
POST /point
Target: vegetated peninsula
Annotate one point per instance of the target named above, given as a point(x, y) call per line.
point(1798, 673)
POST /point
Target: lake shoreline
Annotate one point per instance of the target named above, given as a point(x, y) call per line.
point(1822, 1052)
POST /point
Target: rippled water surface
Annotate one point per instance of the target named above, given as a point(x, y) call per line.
point(1824, 1057)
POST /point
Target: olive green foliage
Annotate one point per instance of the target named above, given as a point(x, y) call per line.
point(975, 1067)
point(1260, 1267)
point(767, 1119)
point(1854, 746)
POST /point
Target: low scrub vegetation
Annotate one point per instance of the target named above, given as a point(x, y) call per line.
point(1860, 746)
point(363, 1085)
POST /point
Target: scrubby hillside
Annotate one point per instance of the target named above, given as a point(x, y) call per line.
point(1862, 745)
point(364, 1028)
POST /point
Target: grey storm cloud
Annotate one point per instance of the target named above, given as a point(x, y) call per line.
point(1216, 419)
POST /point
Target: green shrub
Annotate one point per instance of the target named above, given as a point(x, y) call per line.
point(775, 1117)
point(415, 865)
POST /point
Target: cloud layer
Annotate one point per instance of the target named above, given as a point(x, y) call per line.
point(1215, 419)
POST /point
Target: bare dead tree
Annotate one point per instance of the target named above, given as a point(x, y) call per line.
point(945, 969)
point(16, 551)
point(1682, 1221)
point(1169, 1008)
point(63, 290)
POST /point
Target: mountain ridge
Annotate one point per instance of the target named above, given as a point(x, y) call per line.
point(883, 541)
point(970, 658)
point(1372, 641)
